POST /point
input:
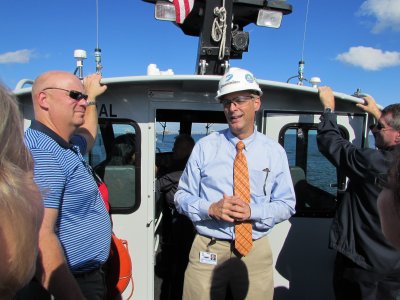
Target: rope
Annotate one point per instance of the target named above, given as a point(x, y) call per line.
point(218, 31)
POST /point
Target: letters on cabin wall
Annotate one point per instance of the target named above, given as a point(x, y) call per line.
point(106, 111)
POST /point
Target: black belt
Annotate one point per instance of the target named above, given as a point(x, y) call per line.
point(87, 273)
point(216, 239)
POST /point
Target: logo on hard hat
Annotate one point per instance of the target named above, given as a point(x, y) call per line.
point(228, 77)
point(249, 78)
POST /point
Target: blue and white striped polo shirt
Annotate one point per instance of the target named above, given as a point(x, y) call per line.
point(83, 225)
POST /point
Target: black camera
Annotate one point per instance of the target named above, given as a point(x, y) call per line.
point(240, 41)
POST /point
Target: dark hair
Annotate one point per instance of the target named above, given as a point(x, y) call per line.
point(124, 147)
point(394, 111)
point(184, 139)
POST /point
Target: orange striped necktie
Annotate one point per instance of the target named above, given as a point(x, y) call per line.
point(241, 188)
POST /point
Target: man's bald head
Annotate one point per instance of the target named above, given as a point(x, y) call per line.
point(53, 105)
point(52, 79)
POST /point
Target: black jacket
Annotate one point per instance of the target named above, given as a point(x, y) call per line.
point(356, 230)
point(167, 185)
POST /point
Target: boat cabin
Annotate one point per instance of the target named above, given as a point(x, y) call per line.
point(154, 109)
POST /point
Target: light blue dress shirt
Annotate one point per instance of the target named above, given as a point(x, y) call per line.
point(209, 175)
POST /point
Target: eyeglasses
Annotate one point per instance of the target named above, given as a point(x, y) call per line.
point(378, 126)
point(237, 101)
point(78, 96)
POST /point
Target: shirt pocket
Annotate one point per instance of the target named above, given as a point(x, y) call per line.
point(261, 183)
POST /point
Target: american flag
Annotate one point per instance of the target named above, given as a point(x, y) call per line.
point(182, 9)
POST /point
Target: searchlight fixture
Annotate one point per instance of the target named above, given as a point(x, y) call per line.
point(269, 18)
point(164, 11)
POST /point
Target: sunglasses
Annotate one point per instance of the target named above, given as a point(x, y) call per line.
point(378, 126)
point(78, 96)
point(237, 101)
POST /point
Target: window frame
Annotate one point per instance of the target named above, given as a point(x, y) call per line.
point(108, 138)
point(301, 160)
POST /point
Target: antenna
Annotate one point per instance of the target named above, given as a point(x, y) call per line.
point(359, 94)
point(97, 51)
point(305, 30)
point(300, 72)
point(315, 81)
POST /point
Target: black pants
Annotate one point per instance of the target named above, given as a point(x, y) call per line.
point(352, 282)
point(178, 235)
point(92, 284)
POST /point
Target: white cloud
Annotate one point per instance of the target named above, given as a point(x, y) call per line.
point(370, 58)
point(16, 57)
point(386, 12)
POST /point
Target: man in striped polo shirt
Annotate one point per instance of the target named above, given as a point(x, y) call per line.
point(74, 239)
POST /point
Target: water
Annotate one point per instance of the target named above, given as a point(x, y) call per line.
point(317, 164)
point(166, 143)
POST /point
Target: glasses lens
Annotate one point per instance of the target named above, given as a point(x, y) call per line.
point(372, 127)
point(377, 126)
point(226, 102)
point(238, 101)
point(77, 95)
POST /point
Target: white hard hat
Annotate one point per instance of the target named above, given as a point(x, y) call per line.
point(236, 80)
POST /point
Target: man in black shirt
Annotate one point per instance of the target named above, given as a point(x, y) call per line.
point(366, 266)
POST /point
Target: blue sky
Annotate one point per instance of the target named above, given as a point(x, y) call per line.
point(349, 44)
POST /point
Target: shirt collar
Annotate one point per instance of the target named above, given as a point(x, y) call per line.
point(234, 140)
point(36, 125)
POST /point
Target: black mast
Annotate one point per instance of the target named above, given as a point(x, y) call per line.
point(213, 54)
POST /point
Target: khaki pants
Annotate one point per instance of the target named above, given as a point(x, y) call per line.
point(249, 277)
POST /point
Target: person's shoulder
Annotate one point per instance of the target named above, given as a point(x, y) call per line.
point(267, 141)
point(209, 143)
point(37, 139)
point(31, 135)
point(41, 145)
point(215, 136)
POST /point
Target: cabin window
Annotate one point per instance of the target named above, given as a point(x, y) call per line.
point(166, 133)
point(315, 179)
point(165, 137)
point(115, 157)
point(98, 153)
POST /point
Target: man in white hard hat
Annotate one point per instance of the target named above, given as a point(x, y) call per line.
point(223, 260)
